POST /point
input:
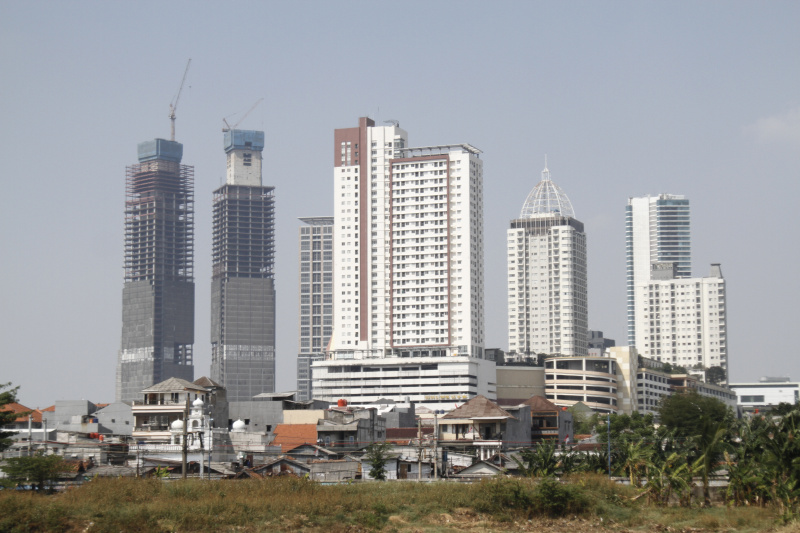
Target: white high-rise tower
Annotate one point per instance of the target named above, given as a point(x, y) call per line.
point(547, 288)
point(408, 271)
point(657, 228)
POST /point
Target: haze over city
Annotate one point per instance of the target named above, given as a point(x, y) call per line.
point(626, 99)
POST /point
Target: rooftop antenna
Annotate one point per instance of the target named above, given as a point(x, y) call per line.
point(392, 121)
point(228, 127)
point(174, 104)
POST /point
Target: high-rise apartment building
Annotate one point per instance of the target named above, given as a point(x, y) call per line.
point(547, 285)
point(316, 297)
point(158, 295)
point(657, 229)
point(408, 271)
point(243, 284)
point(682, 321)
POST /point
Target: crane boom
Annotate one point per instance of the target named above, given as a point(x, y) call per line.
point(229, 127)
point(174, 104)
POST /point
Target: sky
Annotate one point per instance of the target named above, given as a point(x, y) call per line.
point(625, 99)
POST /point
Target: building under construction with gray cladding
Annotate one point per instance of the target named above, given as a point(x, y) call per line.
point(243, 285)
point(158, 295)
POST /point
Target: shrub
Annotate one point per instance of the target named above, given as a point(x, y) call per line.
point(552, 498)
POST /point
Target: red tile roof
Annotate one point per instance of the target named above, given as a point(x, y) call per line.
point(289, 436)
point(35, 414)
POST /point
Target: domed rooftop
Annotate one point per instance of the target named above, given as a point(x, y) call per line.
point(197, 403)
point(177, 424)
point(547, 199)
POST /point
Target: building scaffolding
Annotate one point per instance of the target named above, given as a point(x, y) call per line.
point(159, 222)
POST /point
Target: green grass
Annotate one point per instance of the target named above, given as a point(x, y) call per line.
point(285, 504)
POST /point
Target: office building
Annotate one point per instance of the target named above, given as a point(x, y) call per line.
point(547, 287)
point(657, 229)
point(682, 321)
point(243, 284)
point(408, 271)
point(158, 295)
point(316, 297)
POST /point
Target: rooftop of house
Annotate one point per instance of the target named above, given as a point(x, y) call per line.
point(540, 404)
point(289, 436)
point(25, 412)
point(174, 385)
point(479, 407)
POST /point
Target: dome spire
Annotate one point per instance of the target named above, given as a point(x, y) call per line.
point(546, 171)
point(547, 199)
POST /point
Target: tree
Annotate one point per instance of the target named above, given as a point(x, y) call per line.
point(39, 470)
point(711, 446)
point(540, 461)
point(377, 457)
point(685, 413)
point(716, 375)
point(7, 416)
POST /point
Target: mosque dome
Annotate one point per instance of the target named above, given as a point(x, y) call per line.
point(547, 199)
point(239, 425)
point(197, 403)
point(177, 424)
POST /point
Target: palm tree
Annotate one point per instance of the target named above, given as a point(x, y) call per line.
point(636, 458)
point(710, 445)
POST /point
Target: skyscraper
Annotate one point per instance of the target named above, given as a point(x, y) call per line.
point(243, 285)
point(158, 295)
point(682, 321)
point(316, 297)
point(408, 271)
point(657, 229)
point(547, 287)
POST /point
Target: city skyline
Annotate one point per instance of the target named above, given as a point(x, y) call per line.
point(627, 100)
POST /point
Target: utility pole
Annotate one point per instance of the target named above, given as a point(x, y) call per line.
point(419, 450)
point(608, 423)
point(435, 444)
point(184, 444)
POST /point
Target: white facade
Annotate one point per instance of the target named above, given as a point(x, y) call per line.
point(408, 260)
point(683, 321)
point(657, 229)
point(766, 393)
point(547, 277)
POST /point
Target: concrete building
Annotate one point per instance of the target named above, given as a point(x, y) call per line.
point(547, 287)
point(316, 297)
point(243, 285)
point(483, 425)
point(590, 380)
point(408, 272)
point(682, 321)
point(597, 343)
point(657, 229)
point(158, 295)
point(766, 393)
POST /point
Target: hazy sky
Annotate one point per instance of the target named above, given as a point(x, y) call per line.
point(625, 98)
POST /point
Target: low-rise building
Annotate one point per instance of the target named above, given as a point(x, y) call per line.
point(766, 393)
point(482, 424)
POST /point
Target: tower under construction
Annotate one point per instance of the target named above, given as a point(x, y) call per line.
point(158, 295)
point(243, 285)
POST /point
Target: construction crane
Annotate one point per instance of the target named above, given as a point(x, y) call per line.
point(228, 127)
point(174, 104)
